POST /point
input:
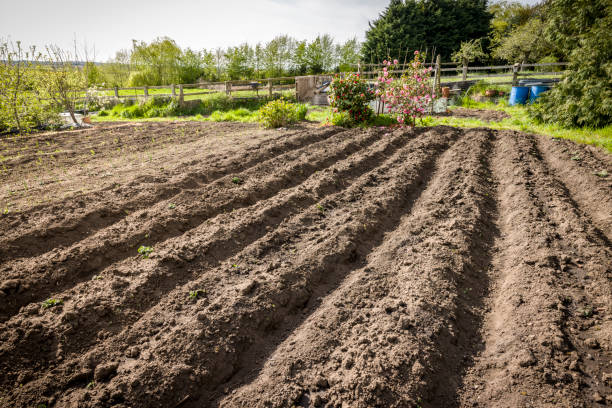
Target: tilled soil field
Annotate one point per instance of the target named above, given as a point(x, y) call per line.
point(310, 267)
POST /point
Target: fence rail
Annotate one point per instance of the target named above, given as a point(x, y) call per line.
point(268, 86)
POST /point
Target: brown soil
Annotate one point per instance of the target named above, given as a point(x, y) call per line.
point(485, 115)
point(312, 267)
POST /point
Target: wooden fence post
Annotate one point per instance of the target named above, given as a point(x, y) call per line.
point(228, 88)
point(437, 89)
point(464, 75)
point(515, 70)
point(117, 92)
point(181, 94)
point(146, 92)
point(270, 88)
point(173, 91)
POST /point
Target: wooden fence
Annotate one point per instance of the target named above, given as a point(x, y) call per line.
point(267, 86)
point(515, 71)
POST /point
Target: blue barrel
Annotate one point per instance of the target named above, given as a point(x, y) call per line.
point(537, 90)
point(519, 94)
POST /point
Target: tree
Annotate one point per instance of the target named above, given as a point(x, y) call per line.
point(277, 55)
point(62, 82)
point(582, 31)
point(156, 62)
point(117, 70)
point(524, 44)
point(508, 15)
point(320, 54)
point(405, 26)
point(190, 66)
point(18, 103)
point(468, 52)
point(299, 60)
point(347, 55)
point(239, 61)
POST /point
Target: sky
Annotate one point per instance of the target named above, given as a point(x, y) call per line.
point(110, 25)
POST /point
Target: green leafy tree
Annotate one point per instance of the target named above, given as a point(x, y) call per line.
point(299, 59)
point(348, 55)
point(469, 51)
point(320, 54)
point(524, 44)
point(20, 105)
point(191, 66)
point(239, 61)
point(508, 15)
point(405, 26)
point(582, 31)
point(157, 63)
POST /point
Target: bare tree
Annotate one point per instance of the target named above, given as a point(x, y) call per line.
point(63, 83)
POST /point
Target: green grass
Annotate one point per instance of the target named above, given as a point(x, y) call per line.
point(520, 120)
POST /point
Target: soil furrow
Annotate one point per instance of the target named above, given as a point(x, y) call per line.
point(387, 334)
point(550, 263)
point(214, 239)
point(262, 289)
point(115, 304)
point(586, 178)
point(33, 239)
point(159, 223)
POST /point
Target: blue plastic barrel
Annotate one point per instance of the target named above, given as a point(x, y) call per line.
point(518, 94)
point(537, 90)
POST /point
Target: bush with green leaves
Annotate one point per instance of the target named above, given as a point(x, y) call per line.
point(351, 94)
point(280, 113)
point(584, 97)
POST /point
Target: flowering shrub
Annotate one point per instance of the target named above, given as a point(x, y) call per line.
point(351, 94)
point(409, 95)
point(96, 99)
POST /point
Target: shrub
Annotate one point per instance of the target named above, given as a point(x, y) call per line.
point(408, 96)
point(351, 94)
point(343, 119)
point(279, 113)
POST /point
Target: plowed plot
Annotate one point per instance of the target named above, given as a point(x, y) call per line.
point(312, 267)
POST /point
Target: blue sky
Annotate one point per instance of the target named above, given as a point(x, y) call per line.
point(112, 24)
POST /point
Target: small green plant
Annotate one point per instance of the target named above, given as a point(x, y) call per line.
point(171, 206)
point(194, 294)
point(51, 303)
point(587, 312)
point(145, 251)
point(603, 173)
point(342, 119)
point(320, 208)
point(237, 180)
point(97, 277)
point(576, 157)
point(91, 385)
